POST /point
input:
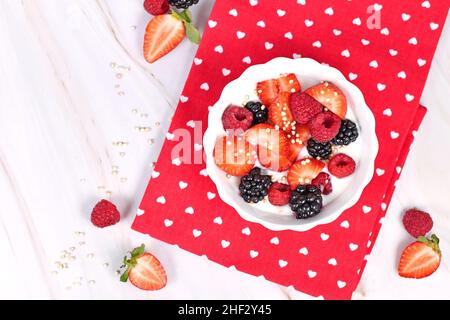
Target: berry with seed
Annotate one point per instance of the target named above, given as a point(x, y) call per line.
point(182, 4)
point(279, 194)
point(254, 186)
point(105, 214)
point(304, 171)
point(341, 165)
point(260, 112)
point(236, 118)
point(144, 270)
point(268, 90)
point(234, 155)
point(331, 97)
point(321, 151)
point(280, 113)
point(324, 126)
point(323, 182)
point(421, 258)
point(417, 223)
point(347, 134)
point(306, 201)
point(304, 107)
point(156, 7)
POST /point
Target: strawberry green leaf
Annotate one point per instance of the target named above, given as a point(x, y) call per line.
point(187, 16)
point(192, 33)
point(124, 276)
point(137, 252)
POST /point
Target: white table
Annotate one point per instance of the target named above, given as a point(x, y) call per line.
point(73, 85)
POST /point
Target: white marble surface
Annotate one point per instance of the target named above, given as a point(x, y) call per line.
point(72, 83)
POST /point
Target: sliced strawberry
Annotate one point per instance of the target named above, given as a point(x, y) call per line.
point(234, 155)
point(304, 171)
point(279, 112)
point(420, 259)
point(144, 270)
point(163, 34)
point(273, 146)
point(288, 83)
point(267, 91)
point(331, 97)
point(298, 136)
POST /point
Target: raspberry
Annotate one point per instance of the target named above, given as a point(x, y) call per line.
point(324, 126)
point(341, 165)
point(279, 194)
point(105, 214)
point(235, 118)
point(323, 182)
point(304, 107)
point(156, 7)
point(417, 223)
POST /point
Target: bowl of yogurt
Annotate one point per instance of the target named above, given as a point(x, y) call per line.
point(346, 191)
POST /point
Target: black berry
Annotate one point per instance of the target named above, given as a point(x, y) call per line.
point(348, 133)
point(306, 201)
point(254, 186)
point(260, 112)
point(182, 4)
point(319, 150)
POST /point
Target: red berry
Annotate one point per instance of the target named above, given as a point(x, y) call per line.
point(304, 107)
point(324, 126)
point(279, 194)
point(417, 223)
point(156, 7)
point(331, 97)
point(237, 118)
point(323, 181)
point(105, 214)
point(341, 165)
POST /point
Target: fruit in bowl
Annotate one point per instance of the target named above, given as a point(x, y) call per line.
point(294, 157)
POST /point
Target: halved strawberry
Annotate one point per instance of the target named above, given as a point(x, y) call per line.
point(267, 91)
point(279, 112)
point(162, 35)
point(288, 83)
point(304, 171)
point(144, 270)
point(298, 136)
point(234, 155)
point(272, 145)
point(420, 259)
point(331, 97)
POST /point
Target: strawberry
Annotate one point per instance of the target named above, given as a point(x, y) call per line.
point(279, 112)
point(163, 34)
point(304, 171)
point(144, 270)
point(234, 155)
point(272, 145)
point(288, 83)
point(331, 97)
point(298, 136)
point(267, 91)
point(421, 258)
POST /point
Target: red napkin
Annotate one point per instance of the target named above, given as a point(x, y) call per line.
point(389, 65)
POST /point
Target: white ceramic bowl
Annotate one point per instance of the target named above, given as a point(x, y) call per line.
point(346, 191)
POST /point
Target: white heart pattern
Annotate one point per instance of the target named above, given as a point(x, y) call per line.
point(204, 86)
point(366, 209)
point(225, 243)
point(210, 195)
point(421, 62)
point(365, 42)
point(161, 200)
point(383, 206)
point(402, 75)
point(240, 35)
point(268, 45)
point(168, 222)
point(198, 147)
point(426, 4)
point(409, 97)
point(140, 212)
point(317, 44)
point(196, 233)
point(345, 53)
point(413, 41)
point(381, 86)
point(309, 23)
point(353, 246)
point(373, 64)
point(182, 185)
point(261, 24)
point(289, 35)
point(380, 172)
point(253, 254)
point(218, 49)
point(155, 174)
point(183, 99)
point(275, 241)
point(246, 231)
point(247, 60)
point(324, 236)
point(189, 210)
point(352, 76)
point(332, 262)
point(218, 220)
point(212, 23)
point(385, 31)
point(176, 162)
point(387, 112)
point(303, 251)
point(405, 16)
point(198, 61)
point(282, 263)
point(233, 12)
point(393, 52)
point(345, 224)
point(204, 173)
point(341, 284)
point(329, 11)
point(357, 21)
point(337, 32)
point(312, 274)
point(281, 13)
point(434, 26)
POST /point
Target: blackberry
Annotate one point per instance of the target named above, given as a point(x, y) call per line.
point(260, 112)
point(319, 150)
point(306, 201)
point(182, 4)
point(348, 133)
point(254, 186)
